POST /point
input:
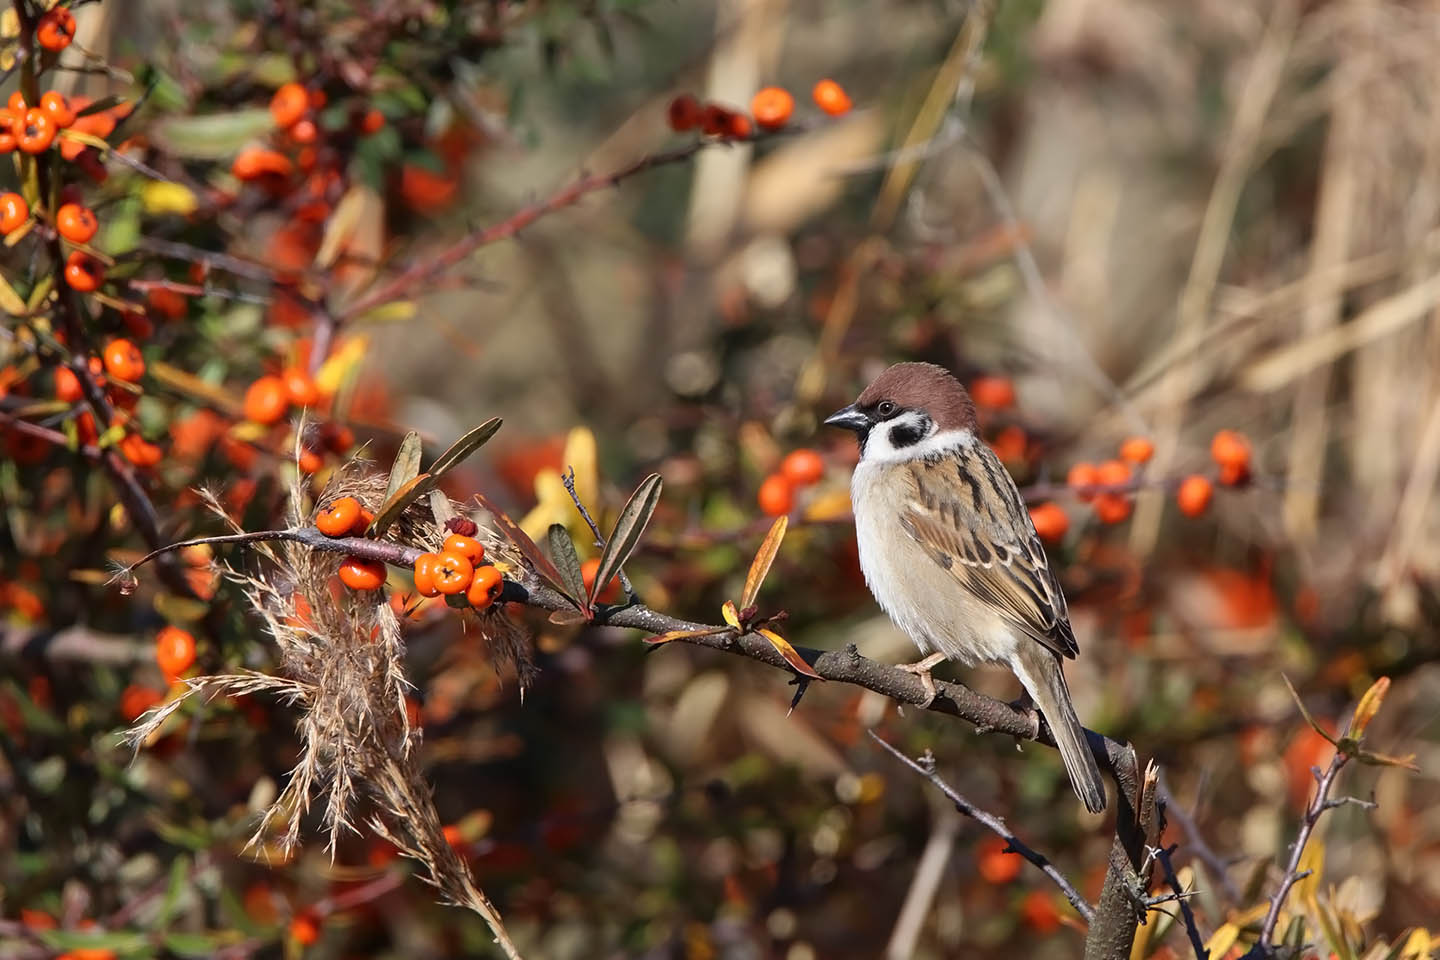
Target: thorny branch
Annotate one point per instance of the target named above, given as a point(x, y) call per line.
point(1197, 942)
point(569, 480)
point(925, 766)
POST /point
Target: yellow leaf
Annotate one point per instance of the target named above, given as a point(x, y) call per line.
point(158, 198)
point(764, 557)
point(731, 615)
point(1222, 939)
point(334, 371)
point(1418, 946)
point(1368, 706)
point(797, 662)
point(1313, 859)
point(830, 505)
point(396, 311)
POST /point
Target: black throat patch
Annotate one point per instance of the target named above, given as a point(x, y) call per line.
point(904, 435)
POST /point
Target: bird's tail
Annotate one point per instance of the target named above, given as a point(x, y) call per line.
point(1043, 678)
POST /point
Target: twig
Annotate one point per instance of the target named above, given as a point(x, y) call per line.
point(1197, 943)
point(569, 480)
point(424, 272)
point(926, 768)
point(1318, 805)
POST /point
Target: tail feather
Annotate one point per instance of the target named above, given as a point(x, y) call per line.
point(1045, 681)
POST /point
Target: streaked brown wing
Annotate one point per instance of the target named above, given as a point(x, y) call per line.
point(968, 516)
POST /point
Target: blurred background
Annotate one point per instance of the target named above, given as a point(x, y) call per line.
point(1160, 220)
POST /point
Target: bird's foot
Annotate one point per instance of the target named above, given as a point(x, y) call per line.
point(922, 670)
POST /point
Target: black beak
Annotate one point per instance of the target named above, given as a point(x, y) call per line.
point(849, 418)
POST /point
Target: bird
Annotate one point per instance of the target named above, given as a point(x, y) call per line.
point(948, 549)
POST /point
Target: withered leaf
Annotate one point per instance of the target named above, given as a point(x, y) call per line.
point(397, 501)
point(797, 663)
point(764, 558)
point(562, 552)
point(634, 517)
point(407, 464)
point(465, 446)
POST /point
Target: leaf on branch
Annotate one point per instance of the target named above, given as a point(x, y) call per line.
point(562, 552)
point(407, 464)
point(1366, 709)
point(1370, 758)
point(538, 561)
point(396, 503)
point(634, 517)
point(669, 635)
point(764, 558)
point(568, 618)
point(465, 446)
point(194, 387)
point(440, 507)
point(731, 614)
point(1306, 713)
point(212, 136)
point(797, 663)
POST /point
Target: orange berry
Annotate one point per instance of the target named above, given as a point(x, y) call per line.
point(372, 122)
point(318, 99)
point(1230, 449)
point(772, 107)
point(776, 496)
point(715, 120)
point(167, 302)
point(305, 132)
point(453, 572)
point(135, 700)
point(358, 574)
point(338, 519)
point(140, 451)
point(802, 467)
point(83, 272)
point(424, 574)
point(87, 953)
point(997, 393)
point(588, 569)
point(1051, 522)
point(123, 360)
point(1112, 507)
point(67, 385)
point(56, 29)
point(485, 587)
point(426, 191)
point(1039, 912)
point(453, 836)
point(7, 131)
point(76, 223)
point(468, 547)
point(289, 105)
point(1009, 444)
point(1083, 475)
point(252, 163)
point(174, 651)
point(1113, 473)
point(36, 132)
point(831, 97)
point(362, 525)
point(300, 387)
point(1234, 474)
point(1137, 450)
point(738, 127)
point(55, 104)
point(1194, 495)
point(267, 400)
point(17, 103)
point(37, 919)
point(995, 865)
point(684, 113)
point(14, 211)
point(304, 929)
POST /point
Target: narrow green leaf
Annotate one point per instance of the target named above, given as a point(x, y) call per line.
point(465, 446)
point(179, 879)
point(764, 557)
point(192, 944)
point(213, 136)
point(407, 463)
point(562, 552)
point(396, 503)
point(537, 560)
point(440, 506)
point(634, 517)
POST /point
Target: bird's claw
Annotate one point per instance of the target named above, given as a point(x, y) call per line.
point(922, 670)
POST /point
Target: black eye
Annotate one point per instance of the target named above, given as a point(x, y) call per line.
point(885, 409)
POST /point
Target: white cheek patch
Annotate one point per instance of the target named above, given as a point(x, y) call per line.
point(881, 448)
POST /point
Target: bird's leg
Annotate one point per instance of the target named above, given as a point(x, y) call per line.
point(922, 670)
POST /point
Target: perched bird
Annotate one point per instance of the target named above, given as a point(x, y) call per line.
point(948, 549)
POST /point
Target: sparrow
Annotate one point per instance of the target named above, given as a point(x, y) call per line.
point(949, 552)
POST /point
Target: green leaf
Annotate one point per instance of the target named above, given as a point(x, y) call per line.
point(395, 505)
point(537, 560)
point(764, 557)
point(407, 463)
point(213, 136)
point(562, 552)
point(193, 944)
point(179, 880)
point(465, 446)
point(634, 517)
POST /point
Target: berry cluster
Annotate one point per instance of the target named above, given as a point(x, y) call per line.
point(800, 468)
point(771, 109)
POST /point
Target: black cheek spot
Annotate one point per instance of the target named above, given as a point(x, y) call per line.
point(904, 435)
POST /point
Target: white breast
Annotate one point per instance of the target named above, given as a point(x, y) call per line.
point(926, 602)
